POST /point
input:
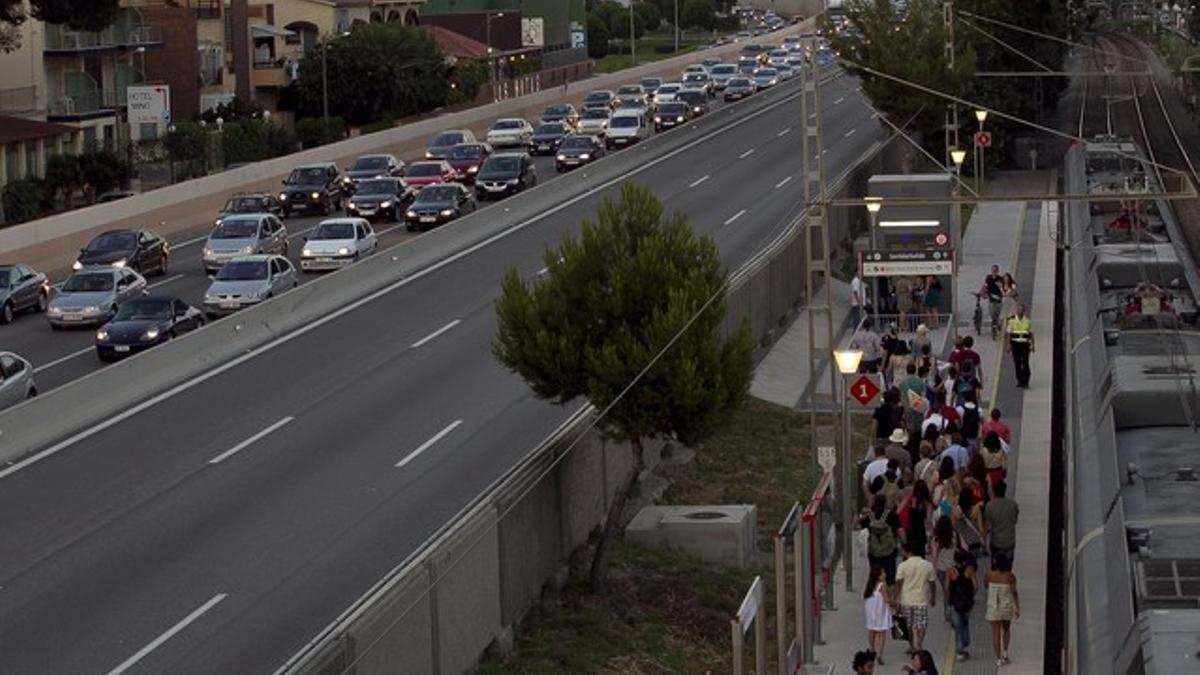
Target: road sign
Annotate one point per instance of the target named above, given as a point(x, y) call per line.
point(906, 263)
point(983, 139)
point(149, 104)
point(826, 458)
point(864, 390)
point(941, 239)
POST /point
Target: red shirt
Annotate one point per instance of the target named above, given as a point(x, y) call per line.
point(997, 426)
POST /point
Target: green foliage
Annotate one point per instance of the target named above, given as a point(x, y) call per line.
point(378, 69)
point(187, 142)
point(63, 176)
point(467, 78)
point(251, 140)
point(25, 199)
point(698, 14)
point(381, 125)
point(76, 14)
point(314, 131)
point(597, 37)
point(236, 109)
point(101, 170)
point(280, 139)
point(649, 14)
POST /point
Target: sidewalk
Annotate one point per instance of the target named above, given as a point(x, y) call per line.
point(1007, 234)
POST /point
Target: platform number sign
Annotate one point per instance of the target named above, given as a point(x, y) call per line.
point(864, 390)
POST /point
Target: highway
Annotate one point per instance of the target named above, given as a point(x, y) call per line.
point(217, 530)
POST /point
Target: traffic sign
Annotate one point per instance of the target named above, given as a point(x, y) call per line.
point(826, 457)
point(983, 139)
point(941, 239)
point(148, 104)
point(864, 390)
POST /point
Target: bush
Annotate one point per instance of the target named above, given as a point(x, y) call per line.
point(314, 131)
point(252, 139)
point(382, 125)
point(597, 37)
point(63, 176)
point(280, 139)
point(102, 170)
point(25, 199)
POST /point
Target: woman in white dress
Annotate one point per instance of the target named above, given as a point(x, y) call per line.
point(879, 611)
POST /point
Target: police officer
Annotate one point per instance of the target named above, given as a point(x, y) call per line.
point(1018, 340)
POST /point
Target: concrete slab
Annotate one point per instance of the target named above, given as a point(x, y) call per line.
point(721, 534)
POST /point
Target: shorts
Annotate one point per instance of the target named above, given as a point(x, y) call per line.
point(917, 616)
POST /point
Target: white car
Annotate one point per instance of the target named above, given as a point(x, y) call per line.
point(698, 81)
point(16, 380)
point(509, 132)
point(666, 92)
point(594, 121)
point(336, 243)
point(694, 68)
point(721, 73)
point(777, 57)
point(625, 128)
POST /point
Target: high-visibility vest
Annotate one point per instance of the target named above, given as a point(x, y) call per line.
point(1020, 328)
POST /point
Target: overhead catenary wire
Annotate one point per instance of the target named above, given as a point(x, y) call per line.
point(1005, 45)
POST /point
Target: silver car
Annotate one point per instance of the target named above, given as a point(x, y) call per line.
point(22, 288)
point(247, 281)
point(16, 380)
point(243, 234)
point(91, 297)
point(594, 122)
point(338, 242)
point(765, 78)
point(509, 132)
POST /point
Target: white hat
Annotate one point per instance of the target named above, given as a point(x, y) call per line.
point(922, 328)
point(898, 436)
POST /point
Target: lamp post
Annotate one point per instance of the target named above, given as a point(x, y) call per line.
point(874, 204)
point(847, 364)
point(980, 116)
point(487, 29)
point(676, 26)
point(325, 77)
point(958, 156)
point(632, 38)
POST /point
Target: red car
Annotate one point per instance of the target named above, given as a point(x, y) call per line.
point(466, 158)
point(435, 172)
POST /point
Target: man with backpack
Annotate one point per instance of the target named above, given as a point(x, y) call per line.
point(881, 524)
point(971, 420)
point(961, 584)
point(918, 592)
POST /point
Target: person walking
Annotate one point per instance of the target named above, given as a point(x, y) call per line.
point(857, 301)
point(920, 663)
point(1008, 287)
point(878, 605)
point(1018, 340)
point(997, 425)
point(995, 460)
point(1001, 515)
point(864, 663)
point(1003, 606)
point(904, 302)
point(881, 524)
point(912, 397)
point(944, 548)
point(888, 417)
point(896, 449)
point(915, 515)
point(961, 581)
point(918, 592)
point(867, 341)
point(932, 301)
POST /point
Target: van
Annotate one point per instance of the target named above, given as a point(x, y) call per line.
point(626, 127)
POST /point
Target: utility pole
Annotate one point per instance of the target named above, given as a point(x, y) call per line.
point(676, 25)
point(632, 37)
point(951, 108)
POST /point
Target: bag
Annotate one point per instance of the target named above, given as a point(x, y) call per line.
point(860, 542)
point(962, 598)
point(881, 541)
point(969, 535)
point(899, 628)
point(970, 422)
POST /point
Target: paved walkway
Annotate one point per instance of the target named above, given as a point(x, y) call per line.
point(1014, 236)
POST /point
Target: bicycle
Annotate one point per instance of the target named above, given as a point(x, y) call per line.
point(994, 306)
point(978, 317)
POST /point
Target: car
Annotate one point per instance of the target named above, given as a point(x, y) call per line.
point(693, 68)
point(786, 72)
point(765, 78)
point(243, 235)
point(312, 187)
point(466, 158)
point(601, 99)
point(634, 93)
point(791, 41)
point(576, 151)
point(22, 288)
point(695, 100)
point(508, 132)
point(141, 250)
point(753, 51)
point(709, 63)
point(796, 62)
point(672, 114)
point(92, 296)
point(626, 127)
point(114, 195)
point(420, 174)
point(650, 85)
point(547, 137)
point(595, 121)
point(777, 57)
point(437, 204)
point(16, 380)
point(143, 323)
point(747, 66)
point(247, 281)
point(336, 243)
point(372, 166)
point(381, 198)
point(559, 112)
point(666, 92)
point(440, 146)
point(504, 174)
point(721, 73)
point(698, 81)
point(824, 57)
point(739, 88)
point(250, 202)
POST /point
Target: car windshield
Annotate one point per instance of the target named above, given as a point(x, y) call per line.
point(630, 90)
point(507, 124)
point(557, 110)
point(376, 187)
point(668, 89)
point(672, 108)
point(502, 165)
point(778, 53)
point(307, 176)
point(767, 72)
point(555, 128)
point(577, 143)
point(333, 231)
point(695, 77)
point(243, 270)
point(724, 69)
point(244, 205)
point(739, 82)
point(651, 81)
point(420, 169)
point(595, 114)
point(438, 193)
point(370, 164)
point(624, 122)
point(692, 97)
point(113, 241)
point(446, 139)
point(235, 229)
point(88, 283)
point(7, 276)
point(144, 310)
point(466, 152)
point(598, 97)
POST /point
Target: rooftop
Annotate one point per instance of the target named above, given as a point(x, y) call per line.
point(17, 129)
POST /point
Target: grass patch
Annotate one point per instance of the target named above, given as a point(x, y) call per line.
point(647, 50)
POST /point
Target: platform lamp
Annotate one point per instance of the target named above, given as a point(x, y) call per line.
point(874, 205)
point(958, 157)
point(847, 364)
point(980, 116)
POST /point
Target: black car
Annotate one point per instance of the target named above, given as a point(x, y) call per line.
point(437, 204)
point(576, 151)
point(371, 166)
point(672, 114)
point(312, 187)
point(505, 174)
point(142, 323)
point(380, 198)
point(561, 112)
point(547, 137)
point(251, 202)
point(600, 99)
point(22, 288)
point(695, 99)
point(441, 144)
point(140, 250)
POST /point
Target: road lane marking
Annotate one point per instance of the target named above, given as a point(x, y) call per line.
point(62, 360)
point(428, 444)
point(433, 336)
point(389, 230)
point(249, 441)
point(735, 216)
point(825, 151)
point(164, 282)
point(746, 154)
point(783, 182)
point(158, 641)
point(698, 181)
point(785, 132)
point(543, 271)
point(839, 100)
point(851, 132)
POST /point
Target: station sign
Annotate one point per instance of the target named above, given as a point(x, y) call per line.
point(906, 263)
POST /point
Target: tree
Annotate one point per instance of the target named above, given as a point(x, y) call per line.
point(698, 14)
point(24, 199)
point(634, 284)
point(187, 143)
point(597, 37)
point(76, 14)
point(378, 70)
point(63, 177)
point(314, 131)
point(101, 170)
point(649, 14)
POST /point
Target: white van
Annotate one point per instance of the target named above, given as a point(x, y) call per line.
point(626, 127)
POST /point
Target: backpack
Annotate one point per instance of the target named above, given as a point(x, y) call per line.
point(970, 422)
point(961, 597)
point(881, 541)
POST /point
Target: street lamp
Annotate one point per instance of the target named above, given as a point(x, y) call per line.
point(847, 364)
point(632, 38)
point(874, 204)
point(325, 77)
point(958, 156)
point(980, 116)
point(487, 29)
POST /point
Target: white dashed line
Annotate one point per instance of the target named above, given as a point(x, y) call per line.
point(428, 444)
point(746, 154)
point(783, 182)
point(698, 181)
point(851, 132)
point(59, 361)
point(158, 642)
point(249, 441)
point(785, 132)
point(839, 100)
point(166, 281)
point(735, 216)
point(433, 336)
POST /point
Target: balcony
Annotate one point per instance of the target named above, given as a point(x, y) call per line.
point(61, 40)
point(269, 74)
point(82, 105)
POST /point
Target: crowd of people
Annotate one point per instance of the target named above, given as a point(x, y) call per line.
point(913, 300)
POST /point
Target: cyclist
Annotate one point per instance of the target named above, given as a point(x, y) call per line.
point(993, 288)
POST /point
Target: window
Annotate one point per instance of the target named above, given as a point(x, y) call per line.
point(32, 156)
point(275, 269)
point(10, 366)
point(12, 161)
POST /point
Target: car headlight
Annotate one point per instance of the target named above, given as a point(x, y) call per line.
point(210, 297)
point(679, 119)
point(447, 212)
point(102, 335)
point(91, 309)
point(217, 222)
point(54, 311)
point(306, 252)
point(585, 156)
point(428, 155)
point(207, 251)
point(351, 206)
point(151, 334)
point(343, 251)
point(472, 169)
point(657, 118)
point(251, 295)
point(696, 109)
point(513, 181)
point(77, 266)
point(410, 214)
point(559, 158)
point(283, 196)
point(346, 180)
point(119, 263)
point(383, 205)
point(316, 195)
